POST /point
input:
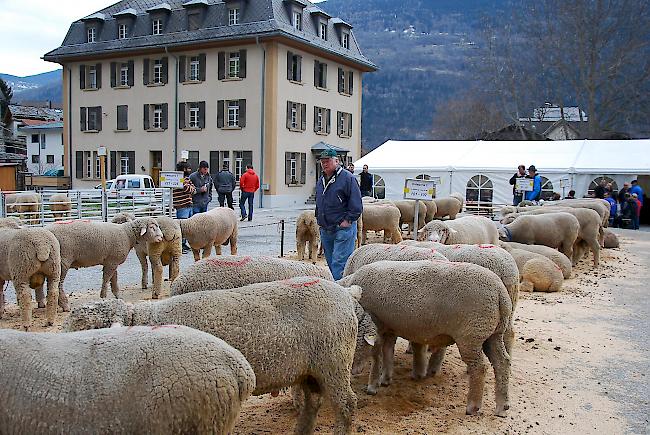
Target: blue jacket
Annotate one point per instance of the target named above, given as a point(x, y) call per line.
point(613, 207)
point(534, 194)
point(337, 201)
point(638, 190)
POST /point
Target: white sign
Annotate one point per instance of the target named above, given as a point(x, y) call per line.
point(185, 154)
point(171, 179)
point(419, 189)
point(524, 184)
point(101, 151)
point(565, 182)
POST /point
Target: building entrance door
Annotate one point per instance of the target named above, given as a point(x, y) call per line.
point(156, 166)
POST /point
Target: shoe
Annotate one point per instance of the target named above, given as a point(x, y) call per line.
point(250, 219)
point(243, 218)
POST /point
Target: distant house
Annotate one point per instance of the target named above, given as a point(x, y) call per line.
point(12, 160)
point(557, 123)
point(44, 146)
point(510, 132)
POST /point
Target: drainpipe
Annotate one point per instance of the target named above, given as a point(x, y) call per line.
point(262, 111)
point(175, 105)
point(69, 124)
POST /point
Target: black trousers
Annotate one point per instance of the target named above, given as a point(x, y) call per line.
point(225, 196)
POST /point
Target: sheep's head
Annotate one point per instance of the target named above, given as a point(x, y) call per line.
point(149, 230)
point(122, 217)
point(504, 233)
point(508, 219)
point(508, 209)
point(435, 231)
point(97, 315)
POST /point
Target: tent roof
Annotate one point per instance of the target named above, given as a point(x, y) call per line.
point(573, 156)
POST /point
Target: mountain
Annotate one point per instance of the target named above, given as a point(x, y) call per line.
point(39, 87)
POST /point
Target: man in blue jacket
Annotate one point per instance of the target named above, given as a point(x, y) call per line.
point(534, 194)
point(338, 206)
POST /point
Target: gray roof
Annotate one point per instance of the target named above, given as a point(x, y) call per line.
point(258, 18)
point(322, 146)
point(47, 126)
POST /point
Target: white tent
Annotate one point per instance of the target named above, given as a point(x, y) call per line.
point(483, 168)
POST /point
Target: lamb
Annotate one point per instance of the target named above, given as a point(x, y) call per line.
point(298, 332)
point(307, 232)
point(439, 303)
point(27, 205)
point(467, 230)
point(377, 252)
point(216, 227)
point(555, 256)
point(600, 206)
point(60, 205)
point(448, 206)
point(555, 230)
point(610, 240)
point(407, 213)
point(169, 379)
point(87, 243)
point(536, 271)
point(232, 272)
point(381, 217)
point(28, 256)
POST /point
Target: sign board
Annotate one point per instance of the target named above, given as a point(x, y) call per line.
point(436, 180)
point(565, 182)
point(101, 151)
point(185, 154)
point(524, 184)
point(419, 189)
point(171, 179)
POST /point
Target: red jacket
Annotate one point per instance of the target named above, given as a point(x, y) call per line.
point(638, 207)
point(249, 181)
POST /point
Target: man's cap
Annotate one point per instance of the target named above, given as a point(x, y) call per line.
point(328, 154)
point(532, 168)
point(203, 164)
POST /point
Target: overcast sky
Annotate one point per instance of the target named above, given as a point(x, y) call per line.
point(31, 28)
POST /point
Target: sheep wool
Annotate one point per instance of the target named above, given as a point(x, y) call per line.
point(554, 255)
point(447, 207)
point(378, 251)
point(381, 217)
point(216, 227)
point(464, 230)
point(307, 232)
point(60, 205)
point(407, 213)
point(541, 274)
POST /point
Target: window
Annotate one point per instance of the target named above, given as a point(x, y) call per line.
point(297, 20)
point(423, 177)
point(91, 119)
point(233, 16)
point(225, 158)
point(35, 138)
point(294, 66)
point(378, 187)
point(345, 40)
point(239, 164)
point(156, 27)
point(320, 74)
point(479, 194)
point(43, 141)
point(295, 168)
point(122, 118)
point(322, 31)
point(547, 189)
point(194, 117)
point(346, 81)
point(124, 75)
point(157, 116)
point(50, 158)
point(35, 158)
point(124, 164)
point(344, 124)
point(92, 33)
point(321, 120)
point(121, 31)
point(191, 69)
point(98, 167)
point(231, 113)
point(90, 76)
point(193, 160)
point(194, 19)
point(233, 64)
point(191, 115)
point(194, 68)
point(157, 71)
point(296, 116)
point(89, 165)
point(597, 181)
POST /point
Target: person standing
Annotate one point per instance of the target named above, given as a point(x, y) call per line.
point(182, 198)
point(571, 195)
point(534, 194)
point(351, 168)
point(599, 191)
point(203, 183)
point(637, 218)
point(638, 190)
point(613, 207)
point(517, 195)
point(365, 181)
point(622, 192)
point(338, 207)
point(225, 186)
point(249, 182)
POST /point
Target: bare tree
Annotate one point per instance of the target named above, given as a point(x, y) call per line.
point(466, 116)
point(6, 94)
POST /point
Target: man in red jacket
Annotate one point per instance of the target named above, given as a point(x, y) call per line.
point(249, 182)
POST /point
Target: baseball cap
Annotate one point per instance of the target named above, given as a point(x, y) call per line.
point(203, 164)
point(328, 154)
point(532, 168)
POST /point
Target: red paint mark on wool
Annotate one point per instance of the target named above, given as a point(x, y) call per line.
point(71, 221)
point(457, 246)
point(486, 246)
point(275, 393)
point(153, 328)
point(229, 263)
point(301, 284)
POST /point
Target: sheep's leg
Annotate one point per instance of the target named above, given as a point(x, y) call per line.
point(388, 353)
point(2, 297)
point(197, 254)
point(144, 266)
point(233, 240)
point(501, 366)
point(435, 360)
point(473, 357)
point(217, 249)
point(52, 300)
point(63, 298)
point(312, 250)
point(207, 251)
point(594, 245)
point(308, 403)
point(364, 236)
point(24, 298)
point(342, 398)
point(109, 274)
point(300, 247)
point(375, 369)
point(419, 361)
point(156, 265)
point(174, 267)
point(40, 296)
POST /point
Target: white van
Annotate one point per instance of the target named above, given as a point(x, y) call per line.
point(132, 181)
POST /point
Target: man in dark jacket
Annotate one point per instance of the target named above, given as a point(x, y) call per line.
point(365, 181)
point(338, 206)
point(203, 183)
point(225, 184)
point(517, 195)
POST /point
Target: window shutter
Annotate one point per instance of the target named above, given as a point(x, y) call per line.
point(165, 117)
point(349, 124)
point(181, 69)
point(303, 168)
point(247, 158)
point(202, 67)
point(98, 69)
point(287, 168)
point(98, 117)
point(79, 168)
point(122, 117)
point(303, 117)
point(289, 65)
point(202, 114)
point(338, 123)
point(299, 68)
point(83, 118)
point(214, 163)
point(324, 66)
point(221, 74)
point(350, 82)
point(131, 80)
point(145, 72)
point(113, 164)
point(316, 130)
point(242, 64)
point(341, 80)
point(316, 75)
point(329, 122)
point(113, 74)
point(82, 76)
point(220, 107)
point(242, 113)
point(147, 125)
point(181, 115)
point(289, 104)
point(131, 156)
point(165, 69)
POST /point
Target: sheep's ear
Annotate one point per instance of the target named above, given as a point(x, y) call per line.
point(143, 231)
point(355, 292)
point(370, 339)
point(452, 231)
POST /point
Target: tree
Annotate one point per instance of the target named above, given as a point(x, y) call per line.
point(6, 94)
point(465, 116)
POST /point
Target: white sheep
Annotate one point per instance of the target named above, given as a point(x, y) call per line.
point(60, 205)
point(466, 230)
point(216, 227)
point(86, 243)
point(432, 209)
point(600, 206)
point(438, 303)
point(307, 232)
point(167, 379)
point(610, 240)
point(238, 271)
point(381, 217)
point(448, 206)
point(26, 205)
point(407, 213)
point(459, 197)
point(299, 332)
point(554, 255)
point(536, 272)
point(377, 252)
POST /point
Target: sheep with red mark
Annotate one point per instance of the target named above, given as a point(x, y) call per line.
point(467, 230)
point(378, 251)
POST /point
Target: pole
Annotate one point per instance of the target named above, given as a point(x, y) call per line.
point(102, 171)
point(415, 219)
point(282, 238)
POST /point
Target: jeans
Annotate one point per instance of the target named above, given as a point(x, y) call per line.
point(246, 196)
point(225, 196)
point(184, 213)
point(635, 222)
point(366, 193)
point(338, 245)
point(199, 209)
point(517, 199)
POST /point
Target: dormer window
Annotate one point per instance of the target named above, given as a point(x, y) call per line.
point(92, 34)
point(345, 40)
point(121, 31)
point(233, 16)
point(156, 27)
point(322, 31)
point(297, 20)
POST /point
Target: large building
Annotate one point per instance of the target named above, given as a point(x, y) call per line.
point(266, 82)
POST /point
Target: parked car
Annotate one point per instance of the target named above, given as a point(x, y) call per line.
point(109, 183)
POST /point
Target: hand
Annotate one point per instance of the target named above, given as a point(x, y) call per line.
point(204, 189)
point(345, 224)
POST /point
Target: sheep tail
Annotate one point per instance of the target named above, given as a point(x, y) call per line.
point(42, 250)
point(505, 319)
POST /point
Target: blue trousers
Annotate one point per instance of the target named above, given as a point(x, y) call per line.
point(246, 196)
point(338, 245)
point(184, 213)
point(199, 209)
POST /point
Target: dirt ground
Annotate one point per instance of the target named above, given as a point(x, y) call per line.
point(562, 346)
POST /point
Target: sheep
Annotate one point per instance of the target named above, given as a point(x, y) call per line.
point(28, 256)
point(377, 252)
point(432, 209)
point(610, 240)
point(87, 243)
point(555, 256)
point(407, 213)
point(60, 205)
point(238, 271)
point(169, 379)
point(216, 227)
point(298, 332)
point(459, 197)
point(466, 230)
point(381, 217)
point(600, 206)
point(555, 230)
point(307, 232)
point(438, 303)
point(448, 206)
point(536, 271)
point(27, 205)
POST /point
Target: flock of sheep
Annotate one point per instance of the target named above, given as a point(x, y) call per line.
point(237, 326)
